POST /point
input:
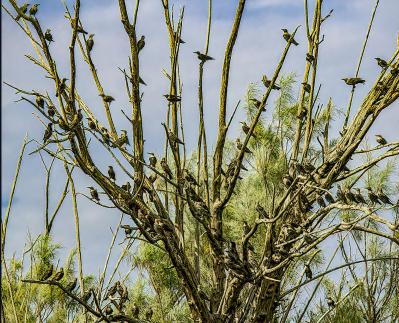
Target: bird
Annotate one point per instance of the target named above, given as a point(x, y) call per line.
point(172, 98)
point(86, 296)
point(381, 62)
point(173, 137)
point(61, 86)
point(330, 302)
point(111, 173)
point(48, 132)
point(126, 186)
point(91, 124)
point(135, 310)
point(358, 196)
point(148, 314)
point(353, 80)
point(47, 274)
point(245, 228)
point(308, 272)
point(266, 82)
point(51, 111)
point(306, 87)
point(383, 197)
point(257, 103)
point(308, 167)
point(190, 178)
point(153, 160)
point(71, 285)
point(80, 29)
point(113, 289)
point(108, 310)
point(128, 229)
point(372, 196)
point(340, 194)
point(123, 139)
point(90, 42)
point(58, 275)
point(107, 98)
point(240, 146)
point(321, 201)
point(33, 9)
point(261, 211)
point(309, 57)
point(23, 9)
point(48, 36)
point(166, 168)
point(140, 44)
point(349, 196)
point(39, 101)
point(288, 37)
point(203, 57)
point(246, 128)
point(287, 180)
point(380, 140)
point(94, 193)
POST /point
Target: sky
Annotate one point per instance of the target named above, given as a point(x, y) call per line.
point(257, 51)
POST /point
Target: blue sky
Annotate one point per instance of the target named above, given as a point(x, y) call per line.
point(258, 48)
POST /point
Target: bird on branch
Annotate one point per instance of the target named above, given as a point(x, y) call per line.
point(111, 173)
point(126, 186)
point(58, 275)
point(288, 37)
point(329, 198)
point(358, 196)
point(51, 111)
point(48, 132)
point(383, 197)
point(190, 178)
point(71, 285)
point(306, 87)
point(308, 272)
point(140, 44)
point(123, 139)
point(94, 193)
point(48, 36)
point(372, 196)
point(90, 42)
point(380, 140)
point(33, 10)
point(172, 98)
point(287, 180)
point(257, 103)
point(246, 128)
point(173, 137)
point(166, 169)
point(266, 82)
point(381, 62)
point(23, 9)
point(203, 57)
point(240, 146)
point(152, 159)
point(47, 274)
point(320, 201)
point(309, 58)
point(107, 98)
point(39, 101)
point(353, 81)
point(128, 229)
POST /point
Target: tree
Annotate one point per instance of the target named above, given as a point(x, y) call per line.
point(186, 218)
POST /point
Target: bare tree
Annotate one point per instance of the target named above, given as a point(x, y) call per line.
point(248, 284)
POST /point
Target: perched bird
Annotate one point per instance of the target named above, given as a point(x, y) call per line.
point(358, 196)
point(380, 140)
point(321, 201)
point(174, 138)
point(383, 197)
point(140, 44)
point(113, 289)
point(203, 57)
point(353, 80)
point(128, 229)
point(48, 36)
point(39, 101)
point(257, 103)
point(190, 178)
point(330, 302)
point(94, 193)
point(372, 196)
point(24, 9)
point(381, 62)
point(309, 58)
point(71, 285)
point(58, 275)
point(111, 173)
point(308, 167)
point(340, 194)
point(240, 146)
point(306, 87)
point(245, 228)
point(181, 41)
point(123, 139)
point(33, 9)
point(107, 98)
point(86, 296)
point(288, 37)
point(90, 42)
point(148, 314)
point(126, 186)
point(172, 98)
point(62, 85)
point(135, 310)
point(51, 111)
point(47, 274)
point(48, 132)
point(308, 272)
point(287, 180)
point(266, 82)
point(91, 124)
point(349, 196)
point(153, 160)
point(246, 128)
point(108, 310)
point(166, 168)
point(80, 29)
